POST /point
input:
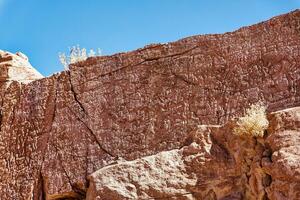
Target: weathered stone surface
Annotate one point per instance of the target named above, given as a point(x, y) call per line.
point(284, 142)
point(16, 67)
point(216, 165)
point(59, 130)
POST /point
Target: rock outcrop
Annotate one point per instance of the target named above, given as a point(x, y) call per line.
point(214, 164)
point(154, 123)
point(16, 67)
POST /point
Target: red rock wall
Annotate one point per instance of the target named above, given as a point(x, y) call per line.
point(213, 165)
point(58, 130)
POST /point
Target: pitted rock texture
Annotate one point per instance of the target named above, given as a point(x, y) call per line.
point(215, 165)
point(284, 142)
point(109, 114)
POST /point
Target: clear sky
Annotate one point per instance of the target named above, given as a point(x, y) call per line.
point(43, 28)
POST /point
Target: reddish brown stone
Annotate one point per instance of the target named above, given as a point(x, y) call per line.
point(215, 165)
point(59, 130)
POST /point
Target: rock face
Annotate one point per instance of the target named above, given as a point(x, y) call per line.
point(154, 123)
point(215, 164)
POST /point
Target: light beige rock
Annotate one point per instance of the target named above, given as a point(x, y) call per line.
point(16, 67)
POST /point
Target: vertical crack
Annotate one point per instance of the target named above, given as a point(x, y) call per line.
point(75, 94)
point(92, 134)
point(85, 115)
point(258, 179)
point(41, 188)
point(79, 193)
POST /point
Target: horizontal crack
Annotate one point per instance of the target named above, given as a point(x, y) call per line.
point(144, 61)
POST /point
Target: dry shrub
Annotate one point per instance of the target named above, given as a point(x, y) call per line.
point(254, 122)
point(76, 54)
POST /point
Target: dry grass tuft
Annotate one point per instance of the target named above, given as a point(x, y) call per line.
point(76, 54)
point(254, 123)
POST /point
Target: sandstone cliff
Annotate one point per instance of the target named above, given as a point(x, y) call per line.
point(154, 123)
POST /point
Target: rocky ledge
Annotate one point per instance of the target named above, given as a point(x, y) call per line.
point(155, 123)
point(214, 163)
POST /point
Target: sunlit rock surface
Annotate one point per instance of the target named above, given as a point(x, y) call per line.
point(154, 123)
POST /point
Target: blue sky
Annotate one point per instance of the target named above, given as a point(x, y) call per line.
point(43, 28)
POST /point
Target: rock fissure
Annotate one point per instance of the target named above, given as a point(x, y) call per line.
point(60, 135)
point(77, 194)
point(145, 60)
point(258, 179)
point(90, 131)
point(41, 187)
point(75, 94)
point(85, 117)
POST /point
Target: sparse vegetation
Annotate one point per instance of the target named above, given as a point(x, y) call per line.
point(254, 122)
point(76, 54)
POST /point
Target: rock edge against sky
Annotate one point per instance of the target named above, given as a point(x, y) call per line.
point(154, 123)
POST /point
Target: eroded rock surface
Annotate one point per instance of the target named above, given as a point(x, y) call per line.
point(284, 142)
point(216, 165)
point(16, 67)
point(116, 114)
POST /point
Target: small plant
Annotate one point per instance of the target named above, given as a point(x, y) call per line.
point(254, 123)
point(76, 54)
